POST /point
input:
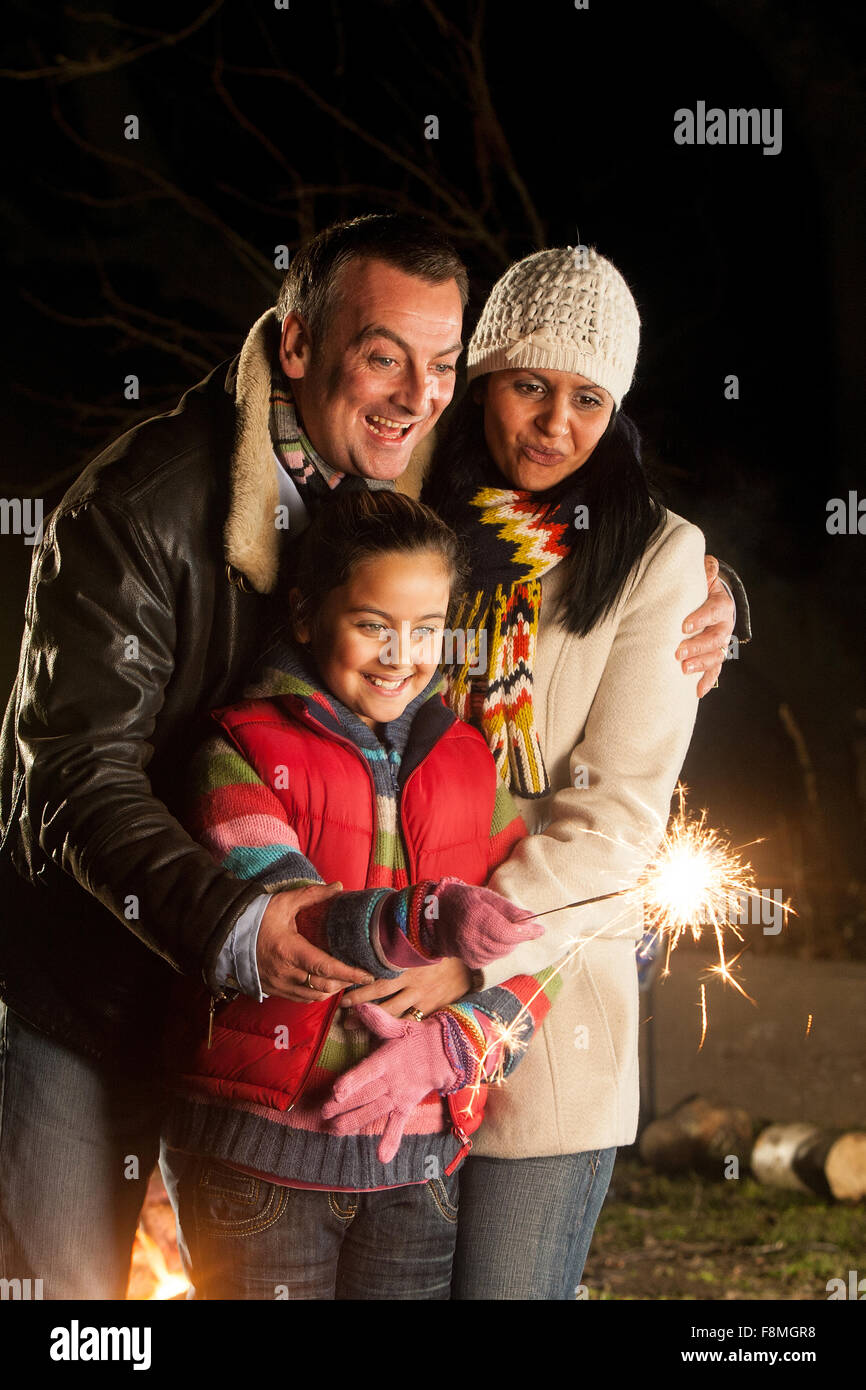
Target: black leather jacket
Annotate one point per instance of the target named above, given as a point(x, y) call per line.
point(135, 627)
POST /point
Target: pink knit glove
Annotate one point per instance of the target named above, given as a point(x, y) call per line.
point(476, 924)
point(393, 1080)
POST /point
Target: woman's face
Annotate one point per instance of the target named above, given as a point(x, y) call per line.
point(377, 639)
point(541, 425)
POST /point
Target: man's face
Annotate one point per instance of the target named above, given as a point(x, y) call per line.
point(383, 373)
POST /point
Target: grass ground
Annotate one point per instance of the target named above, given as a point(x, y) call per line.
point(702, 1238)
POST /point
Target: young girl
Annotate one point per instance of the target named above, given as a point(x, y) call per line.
point(349, 766)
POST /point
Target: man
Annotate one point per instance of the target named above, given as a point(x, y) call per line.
point(147, 606)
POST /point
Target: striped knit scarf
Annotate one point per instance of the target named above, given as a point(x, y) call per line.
point(312, 476)
point(513, 539)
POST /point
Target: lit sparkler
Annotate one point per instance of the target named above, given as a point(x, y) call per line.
point(694, 880)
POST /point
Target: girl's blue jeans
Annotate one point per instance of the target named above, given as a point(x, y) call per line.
point(245, 1238)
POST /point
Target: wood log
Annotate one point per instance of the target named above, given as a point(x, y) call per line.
point(845, 1167)
point(697, 1135)
point(784, 1156)
point(665, 1146)
point(805, 1158)
point(700, 1136)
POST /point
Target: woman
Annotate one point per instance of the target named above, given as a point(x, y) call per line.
point(580, 580)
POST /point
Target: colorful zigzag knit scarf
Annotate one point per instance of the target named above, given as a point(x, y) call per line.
point(513, 540)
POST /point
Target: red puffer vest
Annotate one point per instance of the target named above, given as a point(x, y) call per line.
point(446, 809)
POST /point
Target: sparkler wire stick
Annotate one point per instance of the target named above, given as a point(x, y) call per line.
point(582, 902)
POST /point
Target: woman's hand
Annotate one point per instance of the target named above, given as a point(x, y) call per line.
point(425, 988)
point(711, 626)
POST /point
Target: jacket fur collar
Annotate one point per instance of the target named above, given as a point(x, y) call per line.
point(252, 540)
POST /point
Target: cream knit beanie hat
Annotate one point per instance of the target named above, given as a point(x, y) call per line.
point(567, 309)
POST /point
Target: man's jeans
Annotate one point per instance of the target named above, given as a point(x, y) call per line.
point(526, 1224)
point(77, 1146)
point(245, 1238)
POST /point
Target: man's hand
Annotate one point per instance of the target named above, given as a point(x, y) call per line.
point(285, 959)
point(427, 988)
point(711, 625)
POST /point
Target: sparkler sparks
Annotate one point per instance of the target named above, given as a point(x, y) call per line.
point(694, 880)
point(697, 880)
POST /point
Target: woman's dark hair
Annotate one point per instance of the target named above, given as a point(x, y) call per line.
point(355, 527)
point(624, 508)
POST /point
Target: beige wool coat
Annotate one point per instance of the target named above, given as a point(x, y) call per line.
point(615, 715)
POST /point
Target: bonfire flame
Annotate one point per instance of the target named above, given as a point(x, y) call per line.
point(167, 1283)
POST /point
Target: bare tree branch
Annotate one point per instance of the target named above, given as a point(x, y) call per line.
point(248, 125)
point(376, 195)
point(77, 195)
point(110, 21)
point(444, 25)
point(471, 57)
point(460, 210)
point(248, 201)
point(69, 69)
point(502, 150)
point(250, 257)
point(210, 342)
point(123, 326)
point(480, 16)
point(90, 421)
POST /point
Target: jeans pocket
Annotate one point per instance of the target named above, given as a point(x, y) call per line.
point(444, 1193)
point(228, 1202)
point(344, 1205)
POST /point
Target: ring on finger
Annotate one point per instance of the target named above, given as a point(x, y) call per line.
point(414, 1013)
point(309, 980)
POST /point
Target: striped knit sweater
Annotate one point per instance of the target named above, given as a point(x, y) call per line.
point(239, 819)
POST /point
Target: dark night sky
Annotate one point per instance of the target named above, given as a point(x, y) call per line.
point(741, 263)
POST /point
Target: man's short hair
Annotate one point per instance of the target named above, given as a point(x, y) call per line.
point(311, 285)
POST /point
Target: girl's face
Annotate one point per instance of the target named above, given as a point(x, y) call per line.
point(541, 425)
point(377, 639)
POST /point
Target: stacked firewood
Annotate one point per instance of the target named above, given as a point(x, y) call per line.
point(721, 1140)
